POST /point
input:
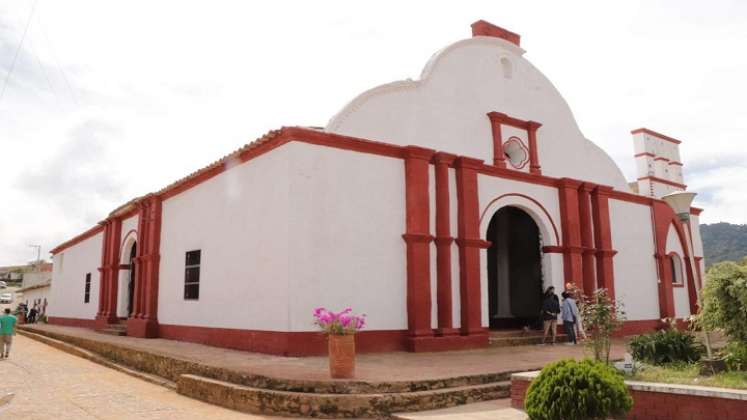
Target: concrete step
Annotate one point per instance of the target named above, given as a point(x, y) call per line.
point(522, 340)
point(285, 403)
point(114, 330)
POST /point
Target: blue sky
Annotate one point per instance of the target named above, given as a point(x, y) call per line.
point(111, 100)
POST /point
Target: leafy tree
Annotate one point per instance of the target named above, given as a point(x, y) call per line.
point(601, 316)
point(725, 299)
point(571, 390)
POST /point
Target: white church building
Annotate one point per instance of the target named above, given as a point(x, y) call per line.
point(440, 207)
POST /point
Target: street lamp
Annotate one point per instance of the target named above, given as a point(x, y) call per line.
point(680, 202)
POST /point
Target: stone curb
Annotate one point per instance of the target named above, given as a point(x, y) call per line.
point(263, 401)
point(77, 351)
point(171, 368)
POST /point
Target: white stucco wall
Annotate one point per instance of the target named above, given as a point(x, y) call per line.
point(681, 299)
point(239, 220)
point(446, 110)
point(636, 281)
point(69, 277)
point(346, 219)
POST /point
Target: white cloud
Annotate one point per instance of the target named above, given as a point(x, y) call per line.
point(163, 88)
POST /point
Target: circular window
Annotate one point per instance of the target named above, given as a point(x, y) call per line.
point(516, 152)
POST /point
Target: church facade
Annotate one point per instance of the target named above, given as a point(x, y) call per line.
point(440, 207)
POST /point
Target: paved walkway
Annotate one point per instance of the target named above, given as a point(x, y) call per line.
point(488, 410)
point(51, 384)
point(375, 367)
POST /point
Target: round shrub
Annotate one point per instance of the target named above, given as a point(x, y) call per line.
point(571, 390)
point(666, 346)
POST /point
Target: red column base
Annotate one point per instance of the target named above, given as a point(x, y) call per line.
point(142, 328)
point(102, 321)
point(445, 343)
point(444, 332)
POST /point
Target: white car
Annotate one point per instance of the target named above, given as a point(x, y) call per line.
point(6, 298)
point(3, 285)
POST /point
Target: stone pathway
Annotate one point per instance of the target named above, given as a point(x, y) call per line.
point(374, 367)
point(489, 410)
point(51, 384)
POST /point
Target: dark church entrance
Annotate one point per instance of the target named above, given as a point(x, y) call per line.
point(131, 280)
point(514, 270)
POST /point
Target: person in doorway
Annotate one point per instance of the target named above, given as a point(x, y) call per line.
point(7, 331)
point(578, 296)
point(569, 314)
point(32, 315)
point(550, 311)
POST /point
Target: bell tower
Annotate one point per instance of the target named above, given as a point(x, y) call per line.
point(658, 164)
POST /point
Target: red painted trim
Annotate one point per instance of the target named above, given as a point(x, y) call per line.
point(544, 210)
point(72, 322)
point(682, 267)
point(523, 163)
point(499, 157)
point(443, 244)
point(553, 249)
point(676, 163)
point(469, 242)
point(603, 238)
point(124, 239)
point(644, 154)
point(417, 218)
point(663, 181)
point(78, 239)
point(282, 343)
point(571, 226)
point(484, 28)
point(695, 211)
point(655, 134)
point(534, 165)
point(587, 238)
point(514, 175)
point(662, 158)
point(631, 198)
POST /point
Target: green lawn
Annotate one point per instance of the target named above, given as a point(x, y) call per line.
point(688, 374)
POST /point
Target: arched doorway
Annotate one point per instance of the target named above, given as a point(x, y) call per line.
point(514, 269)
point(131, 280)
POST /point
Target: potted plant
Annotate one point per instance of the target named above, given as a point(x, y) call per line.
point(340, 328)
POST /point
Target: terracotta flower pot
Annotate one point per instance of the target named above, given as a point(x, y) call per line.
point(342, 356)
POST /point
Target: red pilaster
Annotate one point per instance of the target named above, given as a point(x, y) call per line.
point(603, 238)
point(499, 157)
point(664, 217)
point(107, 313)
point(418, 238)
point(571, 224)
point(698, 270)
point(144, 322)
point(587, 237)
point(443, 245)
point(534, 165)
point(470, 243)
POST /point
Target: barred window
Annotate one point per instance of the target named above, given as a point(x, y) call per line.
point(192, 275)
point(87, 292)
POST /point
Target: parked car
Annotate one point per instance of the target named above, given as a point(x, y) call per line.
point(6, 297)
point(3, 285)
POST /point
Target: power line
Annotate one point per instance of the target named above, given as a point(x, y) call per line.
point(18, 50)
point(56, 60)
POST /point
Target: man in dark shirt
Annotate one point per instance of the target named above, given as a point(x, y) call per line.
point(550, 311)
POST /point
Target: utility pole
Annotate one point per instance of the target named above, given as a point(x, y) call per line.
point(38, 252)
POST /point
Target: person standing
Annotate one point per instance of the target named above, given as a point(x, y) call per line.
point(569, 314)
point(550, 311)
point(7, 331)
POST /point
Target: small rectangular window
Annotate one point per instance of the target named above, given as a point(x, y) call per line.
point(192, 275)
point(87, 293)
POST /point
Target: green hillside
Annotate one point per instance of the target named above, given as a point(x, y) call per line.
point(723, 242)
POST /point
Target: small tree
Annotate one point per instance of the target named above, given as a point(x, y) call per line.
point(602, 316)
point(725, 300)
point(571, 390)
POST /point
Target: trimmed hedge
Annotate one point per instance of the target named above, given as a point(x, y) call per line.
point(571, 390)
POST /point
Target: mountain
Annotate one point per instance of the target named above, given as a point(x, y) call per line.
point(723, 242)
